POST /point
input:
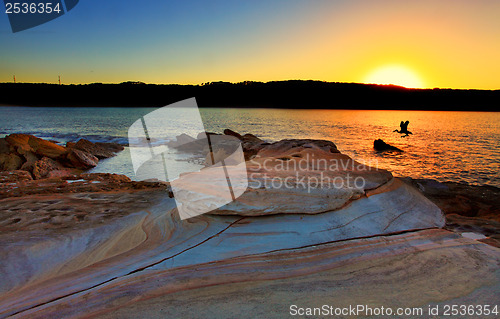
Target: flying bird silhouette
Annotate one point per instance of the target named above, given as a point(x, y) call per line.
point(404, 129)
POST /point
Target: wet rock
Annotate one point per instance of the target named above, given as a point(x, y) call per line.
point(81, 159)
point(380, 145)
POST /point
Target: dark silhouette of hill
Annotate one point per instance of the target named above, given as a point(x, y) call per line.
point(280, 94)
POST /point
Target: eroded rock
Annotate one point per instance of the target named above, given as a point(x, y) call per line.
point(10, 161)
point(81, 159)
point(98, 151)
point(44, 167)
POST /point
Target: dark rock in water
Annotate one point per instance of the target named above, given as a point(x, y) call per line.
point(381, 146)
point(10, 162)
point(96, 150)
point(81, 159)
point(232, 133)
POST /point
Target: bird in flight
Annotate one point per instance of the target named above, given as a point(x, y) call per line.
point(404, 129)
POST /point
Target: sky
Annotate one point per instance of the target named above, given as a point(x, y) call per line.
point(445, 44)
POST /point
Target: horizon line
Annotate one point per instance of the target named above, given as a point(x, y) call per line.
point(251, 81)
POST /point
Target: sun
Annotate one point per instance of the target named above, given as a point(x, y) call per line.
point(395, 74)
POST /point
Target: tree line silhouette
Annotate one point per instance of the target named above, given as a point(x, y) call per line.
point(276, 94)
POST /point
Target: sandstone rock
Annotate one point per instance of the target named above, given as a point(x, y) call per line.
point(94, 149)
point(18, 139)
point(181, 140)
point(19, 142)
point(43, 167)
point(70, 145)
point(215, 157)
point(232, 133)
point(113, 147)
point(116, 178)
point(381, 146)
point(187, 143)
point(469, 208)
point(15, 176)
point(4, 146)
point(45, 148)
point(284, 147)
point(251, 138)
point(203, 135)
point(379, 242)
point(81, 159)
point(10, 161)
point(30, 160)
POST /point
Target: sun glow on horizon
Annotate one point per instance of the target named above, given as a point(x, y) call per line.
point(396, 75)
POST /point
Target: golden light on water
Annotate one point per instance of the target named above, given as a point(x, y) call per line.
point(395, 74)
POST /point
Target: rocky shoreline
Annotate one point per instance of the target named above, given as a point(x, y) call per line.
point(77, 244)
point(45, 159)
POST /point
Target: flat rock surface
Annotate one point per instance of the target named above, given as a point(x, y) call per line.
point(415, 269)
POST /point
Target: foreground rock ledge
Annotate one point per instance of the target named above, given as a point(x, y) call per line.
point(131, 255)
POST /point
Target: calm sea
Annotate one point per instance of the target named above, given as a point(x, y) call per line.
point(447, 146)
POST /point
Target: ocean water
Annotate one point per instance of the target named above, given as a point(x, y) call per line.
point(446, 146)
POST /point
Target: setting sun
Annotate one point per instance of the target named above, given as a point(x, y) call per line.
point(395, 74)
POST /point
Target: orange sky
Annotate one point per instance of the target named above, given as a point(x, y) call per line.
point(447, 44)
